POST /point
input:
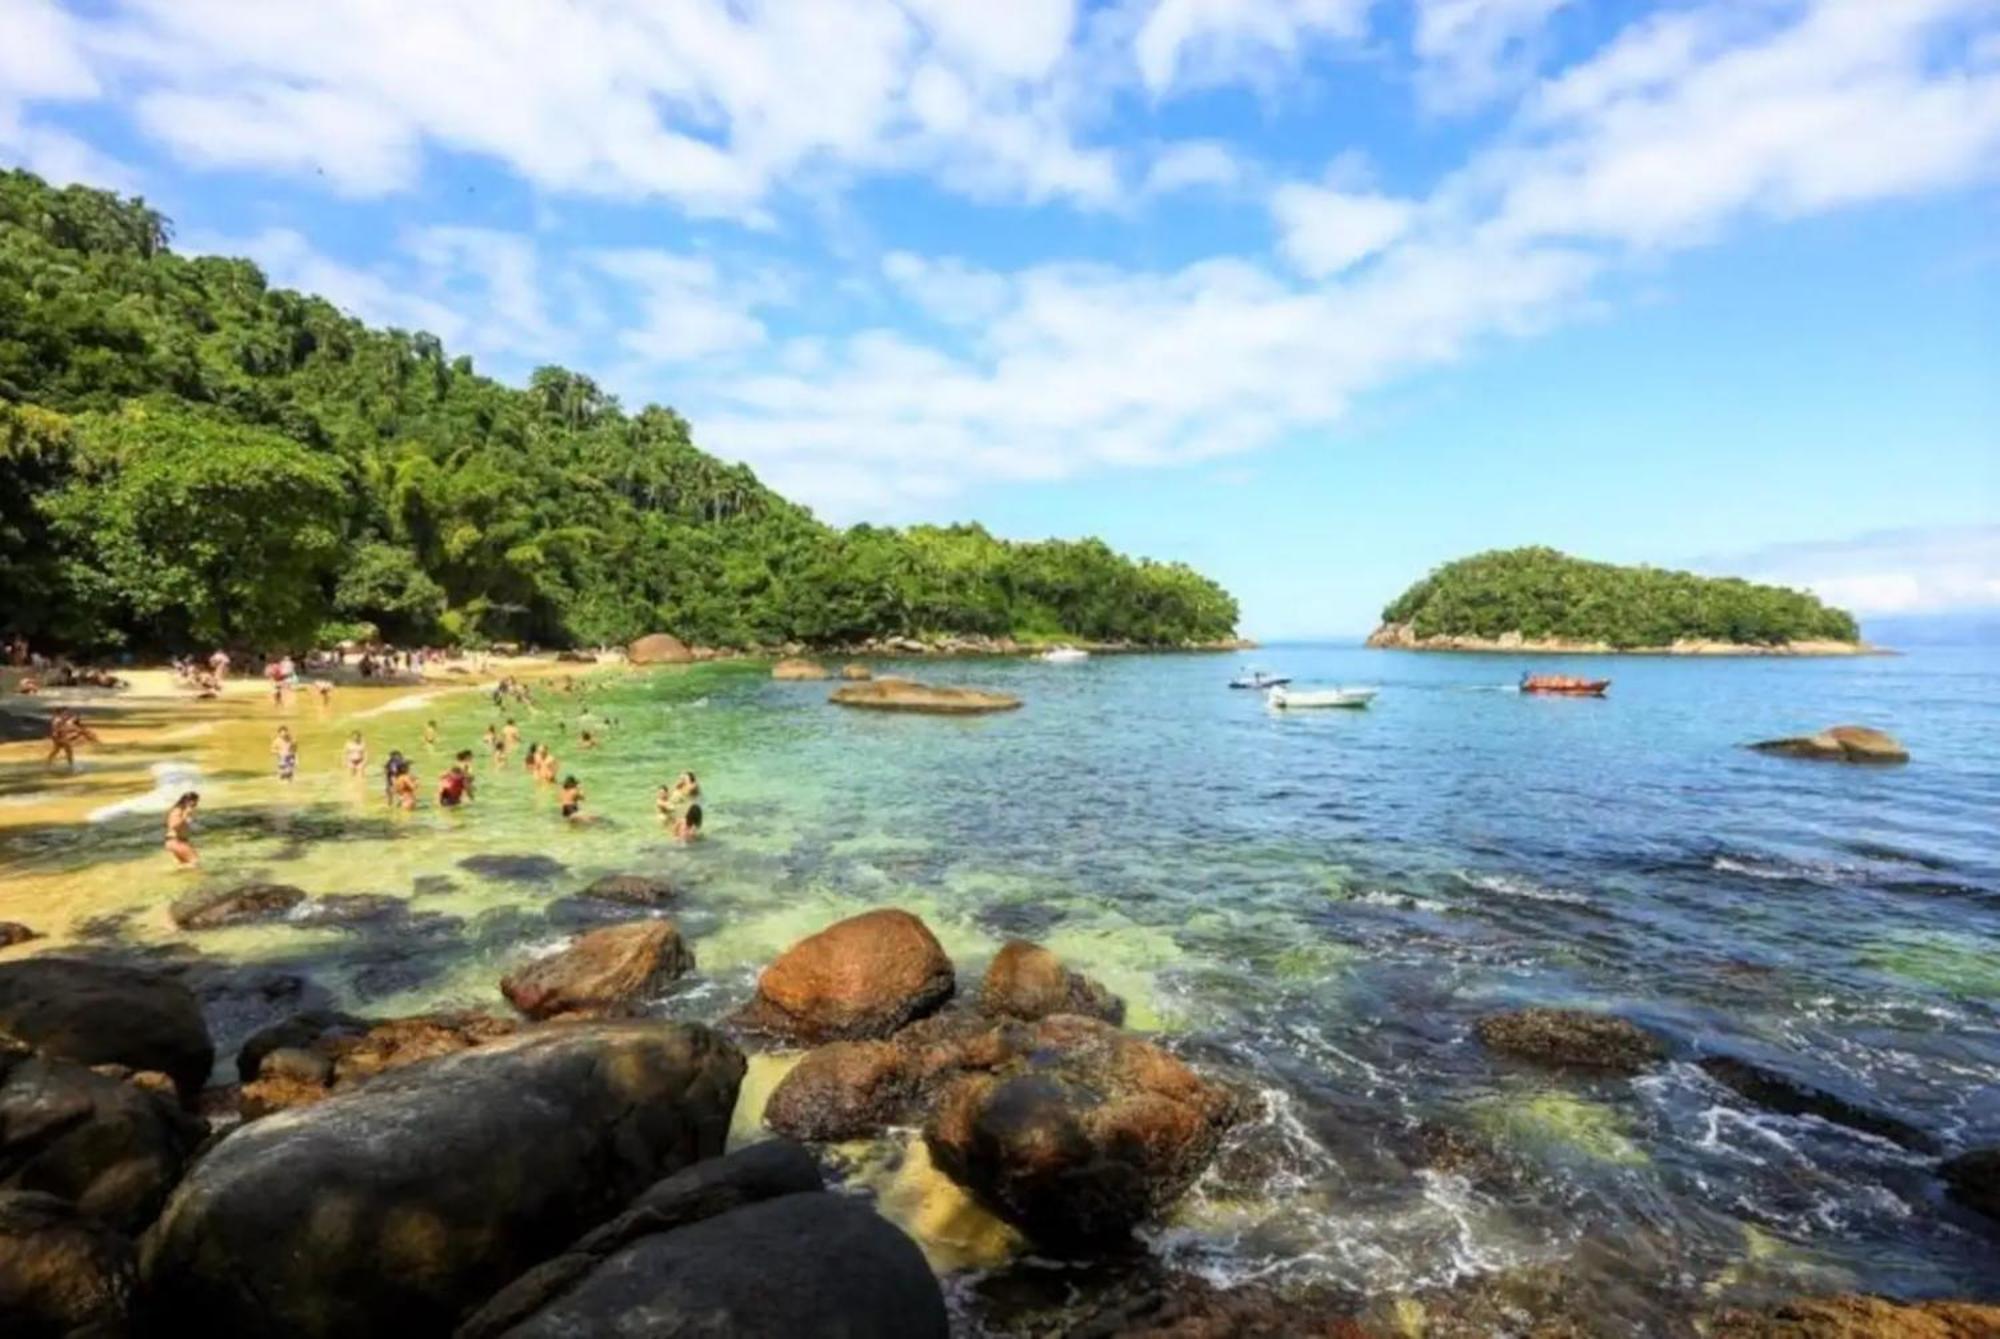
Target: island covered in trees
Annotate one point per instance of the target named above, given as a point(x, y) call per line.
point(189, 456)
point(1536, 599)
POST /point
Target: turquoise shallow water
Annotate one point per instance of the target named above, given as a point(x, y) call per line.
point(1318, 906)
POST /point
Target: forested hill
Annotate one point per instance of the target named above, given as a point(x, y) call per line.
point(1543, 595)
point(188, 455)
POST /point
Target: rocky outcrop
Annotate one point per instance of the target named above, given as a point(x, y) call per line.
point(1974, 1180)
point(304, 1059)
point(923, 698)
point(799, 670)
point(13, 932)
point(398, 1207)
point(100, 1013)
point(1788, 1096)
point(658, 649)
point(856, 1089)
point(62, 1272)
point(111, 1147)
point(245, 904)
point(1078, 1133)
point(862, 977)
point(1573, 1038)
point(1840, 743)
point(1405, 637)
point(856, 673)
point(604, 969)
point(514, 868)
point(638, 890)
point(1853, 1316)
point(1027, 981)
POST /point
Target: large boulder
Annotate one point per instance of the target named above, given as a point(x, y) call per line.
point(307, 1057)
point(111, 1147)
point(802, 1264)
point(1840, 743)
point(1079, 1132)
point(638, 890)
point(1974, 1180)
point(245, 904)
point(397, 1207)
point(923, 698)
point(865, 976)
point(62, 1272)
point(1027, 981)
point(1776, 1091)
point(856, 1089)
point(1854, 1316)
point(799, 670)
point(100, 1013)
point(658, 649)
point(1573, 1038)
point(603, 969)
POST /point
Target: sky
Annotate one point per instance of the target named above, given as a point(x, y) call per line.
point(1312, 294)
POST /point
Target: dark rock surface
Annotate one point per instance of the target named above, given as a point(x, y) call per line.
point(603, 969)
point(513, 868)
point(1573, 1038)
point(639, 890)
point(1788, 1096)
point(1974, 1180)
point(62, 1272)
point(1027, 981)
point(13, 932)
point(245, 904)
point(102, 1013)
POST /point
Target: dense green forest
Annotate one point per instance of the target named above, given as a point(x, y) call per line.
point(189, 456)
point(1541, 593)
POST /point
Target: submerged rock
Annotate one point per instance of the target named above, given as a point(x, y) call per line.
point(932, 699)
point(396, 1208)
point(514, 868)
point(1794, 1097)
point(658, 648)
point(855, 673)
point(1027, 981)
point(62, 1272)
point(101, 1013)
point(1853, 1316)
point(639, 890)
point(1572, 1037)
point(865, 976)
point(350, 909)
point(1974, 1180)
point(1840, 743)
point(111, 1147)
point(242, 905)
point(1077, 1132)
point(601, 970)
point(799, 670)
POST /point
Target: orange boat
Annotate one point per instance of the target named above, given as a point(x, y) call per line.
point(1564, 683)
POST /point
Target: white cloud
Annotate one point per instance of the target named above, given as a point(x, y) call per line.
point(1473, 51)
point(1188, 164)
point(685, 313)
point(1194, 43)
point(1886, 571)
point(1324, 231)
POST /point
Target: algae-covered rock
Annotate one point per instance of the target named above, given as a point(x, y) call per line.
point(1574, 1038)
point(922, 698)
point(1027, 981)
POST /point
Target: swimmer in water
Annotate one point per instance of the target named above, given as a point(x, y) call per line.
point(510, 737)
point(688, 830)
point(686, 787)
point(431, 736)
point(180, 824)
point(664, 806)
point(571, 799)
point(454, 788)
point(586, 740)
point(404, 789)
point(356, 754)
point(286, 750)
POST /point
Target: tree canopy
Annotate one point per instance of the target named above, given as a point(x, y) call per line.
point(188, 454)
point(1541, 593)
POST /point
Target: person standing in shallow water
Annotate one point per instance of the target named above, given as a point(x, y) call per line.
point(286, 750)
point(571, 799)
point(430, 736)
point(356, 754)
point(180, 822)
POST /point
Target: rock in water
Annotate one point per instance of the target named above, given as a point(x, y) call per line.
point(639, 890)
point(396, 1208)
point(1840, 743)
point(856, 673)
point(1572, 1037)
point(865, 976)
point(100, 1013)
point(13, 932)
point(1852, 1316)
point(513, 868)
point(61, 1271)
point(1974, 1179)
point(602, 969)
point(1794, 1097)
point(323, 1051)
point(798, 670)
point(658, 649)
point(1079, 1133)
point(924, 698)
point(111, 1147)
point(1027, 981)
point(240, 905)
point(803, 1264)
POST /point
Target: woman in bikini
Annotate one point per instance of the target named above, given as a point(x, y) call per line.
point(286, 750)
point(356, 754)
point(688, 830)
point(180, 821)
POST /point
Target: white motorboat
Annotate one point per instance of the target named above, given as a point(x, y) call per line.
point(1065, 655)
point(1260, 680)
point(1288, 698)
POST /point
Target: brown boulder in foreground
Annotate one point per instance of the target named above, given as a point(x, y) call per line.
point(1853, 1316)
point(799, 669)
point(99, 1013)
point(1841, 743)
point(62, 1272)
point(307, 1057)
point(1027, 981)
point(865, 976)
point(909, 695)
point(1571, 1037)
point(658, 649)
point(602, 969)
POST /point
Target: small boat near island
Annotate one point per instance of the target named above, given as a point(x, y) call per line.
point(1287, 699)
point(1564, 685)
point(1065, 655)
point(1261, 680)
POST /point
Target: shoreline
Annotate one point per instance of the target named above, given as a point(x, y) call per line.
point(1399, 637)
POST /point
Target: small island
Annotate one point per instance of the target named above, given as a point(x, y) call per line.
point(1539, 600)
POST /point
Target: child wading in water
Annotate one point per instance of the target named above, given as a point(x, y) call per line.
point(286, 750)
point(571, 799)
point(180, 820)
point(356, 754)
point(430, 736)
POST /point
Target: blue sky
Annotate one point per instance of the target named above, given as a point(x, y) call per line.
point(1313, 294)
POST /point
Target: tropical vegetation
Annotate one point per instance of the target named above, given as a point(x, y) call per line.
point(189, 455)
point(1542, 594)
